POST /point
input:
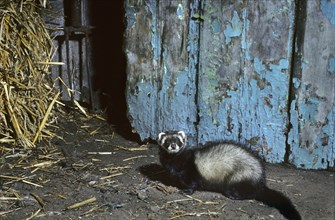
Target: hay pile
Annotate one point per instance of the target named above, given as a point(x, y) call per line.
point(27, 96)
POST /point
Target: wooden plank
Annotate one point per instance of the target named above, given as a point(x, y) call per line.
point(161, 48)
point(312, 112)
point(244, 75)
point(79, 58)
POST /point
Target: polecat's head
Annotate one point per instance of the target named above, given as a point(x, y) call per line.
point(172, 142)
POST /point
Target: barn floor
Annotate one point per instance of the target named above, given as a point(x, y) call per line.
point(90, 172)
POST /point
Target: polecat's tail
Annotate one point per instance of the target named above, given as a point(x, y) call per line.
point(279, 201)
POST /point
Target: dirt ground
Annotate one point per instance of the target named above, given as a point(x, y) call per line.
point(91, 172)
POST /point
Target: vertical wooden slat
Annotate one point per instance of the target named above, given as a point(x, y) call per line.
point(312, 112)
point(161, 48)
point(79, 52)
point(244, 74)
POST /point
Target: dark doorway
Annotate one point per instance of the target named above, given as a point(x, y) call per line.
point(109, 61)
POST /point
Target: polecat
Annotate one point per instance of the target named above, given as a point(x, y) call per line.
point(226, 168)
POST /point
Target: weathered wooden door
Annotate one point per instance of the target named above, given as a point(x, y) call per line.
point(162, 51)
point(244, 76)
point(312, 103)
point(257, 72)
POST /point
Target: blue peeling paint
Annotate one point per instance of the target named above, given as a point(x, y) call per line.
point(326, 139)
point(245, 44)
point(166, 103)
point(244, 117)
point(252, 113)
point(143, 99)
point(293, 135)
point(328, 10)
point(176, 112)
point(216, 26)
point(331, 64)
point(234, 29)
point(309, 109)
point(312, 144)
point(155, 39)
point(324, 153)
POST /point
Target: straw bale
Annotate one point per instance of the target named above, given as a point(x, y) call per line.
point(26, 91)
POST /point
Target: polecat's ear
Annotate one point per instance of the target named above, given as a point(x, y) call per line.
point(160, 137)
point(183, 135)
